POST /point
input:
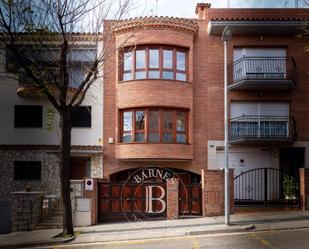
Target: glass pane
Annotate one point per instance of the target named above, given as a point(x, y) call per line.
point(139, 137)
point(180, 121)
point(128, 58)
point(167, 59)
point(153, 120)
point(167, 120)
point(127, 138)
point(140, 59)
point(140, 75)
point(127, 76)
point(139, 120)
point(181, 61)
point(168, 75)
point(181, 76)
point(181, 138)
point(154, 58)
point(154, 74)
point(153, 137)
point(127, 121)
point(167, 138)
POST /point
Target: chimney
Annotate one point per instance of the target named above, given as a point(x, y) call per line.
point(201, 10)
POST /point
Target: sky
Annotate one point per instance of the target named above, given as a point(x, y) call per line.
point(186, 8)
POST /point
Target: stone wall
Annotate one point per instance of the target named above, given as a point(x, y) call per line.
point(97, 166)
point(49, 183)
point(26, 210)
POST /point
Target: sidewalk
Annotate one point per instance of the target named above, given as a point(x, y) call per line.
point(165, 228)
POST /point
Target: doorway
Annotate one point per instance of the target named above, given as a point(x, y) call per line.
point(291, 159)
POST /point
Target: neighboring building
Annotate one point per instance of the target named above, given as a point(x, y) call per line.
point(163, 106)
point(29, 133)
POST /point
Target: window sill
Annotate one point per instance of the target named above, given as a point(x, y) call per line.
point(178, 81)
point(121, 143)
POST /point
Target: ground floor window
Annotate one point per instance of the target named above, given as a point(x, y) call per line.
point(27, 170)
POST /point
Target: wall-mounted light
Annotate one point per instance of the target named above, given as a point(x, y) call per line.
point(276, 154)
point(261, 38)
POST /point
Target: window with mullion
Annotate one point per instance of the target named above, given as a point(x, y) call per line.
point(127, 65)
point(181, 127)
point(181, 63)
point(168, 64)
point(154, 125)
point(154, 63)
point(140, 64)
point(139, 125)
point(167, 129)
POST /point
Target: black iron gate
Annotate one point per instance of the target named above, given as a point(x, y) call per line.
point(266, 187)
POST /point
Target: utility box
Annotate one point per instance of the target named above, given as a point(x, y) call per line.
point(83, 212)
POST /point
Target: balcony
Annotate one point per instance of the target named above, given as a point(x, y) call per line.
point(26, 86)
point(262, 73)
point(262, 129)
point(50, 77)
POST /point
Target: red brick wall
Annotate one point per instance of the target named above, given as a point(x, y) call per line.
point(155, 151)
point(214, 192)
point(304, 188)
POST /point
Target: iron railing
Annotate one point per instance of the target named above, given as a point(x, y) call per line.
point(51, 206)
point(262, 68)
point(262, 127)
point(49, 76)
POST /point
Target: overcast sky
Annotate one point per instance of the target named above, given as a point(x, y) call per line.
point(186, 8)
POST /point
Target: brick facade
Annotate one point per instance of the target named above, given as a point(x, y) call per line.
point(202, 94)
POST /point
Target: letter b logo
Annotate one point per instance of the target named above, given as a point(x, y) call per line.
point(150, 199)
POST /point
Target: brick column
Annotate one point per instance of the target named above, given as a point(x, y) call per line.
point(304, 188)
point(214, 192)
point(93, 196)
point(172, 211)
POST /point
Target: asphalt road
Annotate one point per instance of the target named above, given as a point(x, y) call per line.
point(280, 239)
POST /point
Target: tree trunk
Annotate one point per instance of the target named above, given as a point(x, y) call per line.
point(65, 126)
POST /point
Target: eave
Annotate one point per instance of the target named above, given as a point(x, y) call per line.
point(257, 27)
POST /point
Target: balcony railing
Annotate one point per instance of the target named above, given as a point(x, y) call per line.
point(262, 128)
point(48, 75)
point(268, 72)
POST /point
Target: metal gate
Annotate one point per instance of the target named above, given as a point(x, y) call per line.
point(190, 199)
point(5, 217)
point(128, 201)
point(266, 187)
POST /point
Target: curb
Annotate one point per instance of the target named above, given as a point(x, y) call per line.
point(51, 242)
point(228, 229)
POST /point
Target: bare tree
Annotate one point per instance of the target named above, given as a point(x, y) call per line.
point(44, 34)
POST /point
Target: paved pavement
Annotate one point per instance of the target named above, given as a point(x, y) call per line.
point(262, 221)
point(279, 239)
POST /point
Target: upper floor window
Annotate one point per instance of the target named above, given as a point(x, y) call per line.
point(81, 117)
point(155, 62)
point(154, 125)
point(28, 116)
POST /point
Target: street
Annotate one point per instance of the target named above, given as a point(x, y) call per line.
point(280, 239)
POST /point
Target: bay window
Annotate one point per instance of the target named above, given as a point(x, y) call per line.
point(155, 62)
point(154, 125)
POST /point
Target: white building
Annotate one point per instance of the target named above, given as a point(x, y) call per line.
point(29, 132)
